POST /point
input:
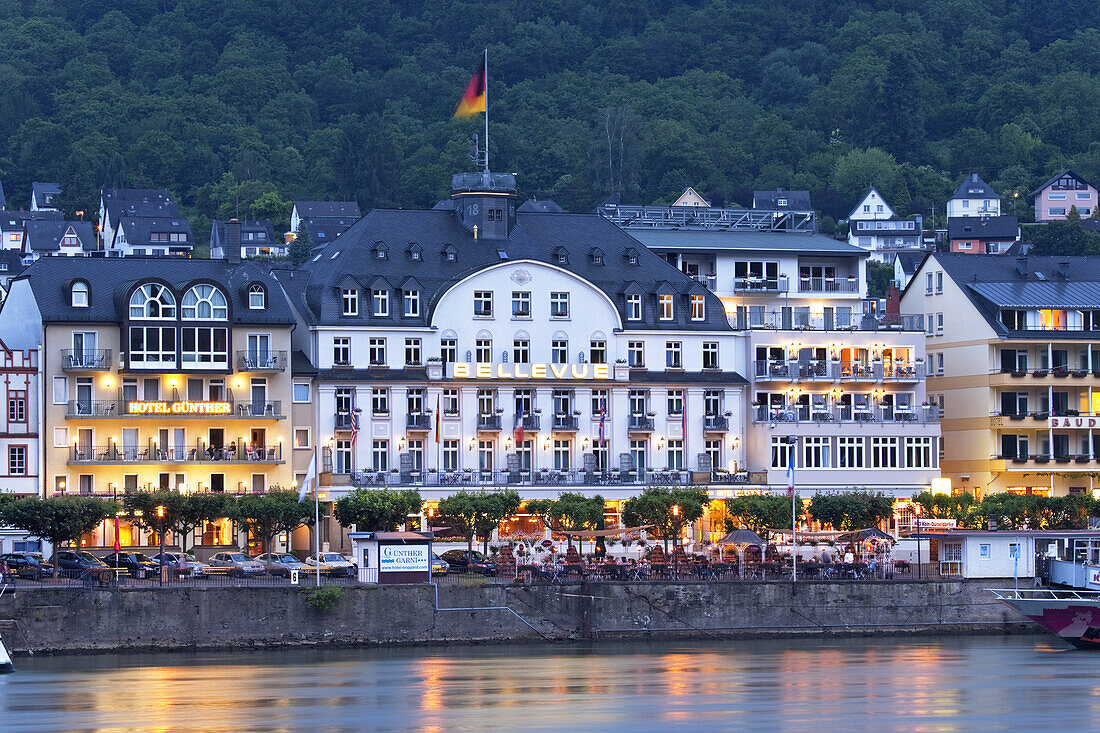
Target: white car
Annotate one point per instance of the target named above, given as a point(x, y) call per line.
point(236, 564)
point(333, 564)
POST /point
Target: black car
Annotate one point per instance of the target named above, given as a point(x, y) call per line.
point(74, 564)
point(26, 565)
point(136, 564)
point(469, 561)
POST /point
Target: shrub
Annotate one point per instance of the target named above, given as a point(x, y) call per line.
point(325, 598)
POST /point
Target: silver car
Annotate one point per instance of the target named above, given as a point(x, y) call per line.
point(236, 565)
point(281, 563)
point(333, 564)
point(189, 567)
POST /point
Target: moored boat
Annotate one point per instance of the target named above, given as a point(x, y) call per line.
point(1071, 615)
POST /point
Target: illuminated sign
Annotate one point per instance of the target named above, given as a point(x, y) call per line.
point(489, 370)
point(937, 523)
point(403, 558)
point(1073, 422)
point(179, 408)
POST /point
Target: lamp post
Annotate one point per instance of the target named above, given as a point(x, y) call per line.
point(160, 557)
point(916, 511)
point(676, 542)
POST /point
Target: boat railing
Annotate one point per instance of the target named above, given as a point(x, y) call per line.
point(1044, 594)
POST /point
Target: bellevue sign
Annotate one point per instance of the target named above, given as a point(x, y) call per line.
point(489, 370)
point(179, 408)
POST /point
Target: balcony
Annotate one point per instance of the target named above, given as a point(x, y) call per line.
point(716, 424)
point(540, 478)
point(776, 320)
point(261, 361)
point(530, 422)
point(418, 422)
point(838, 371)
point(760, 285)
point(85, 360)
point(828, 285)
point(565, 423)
point(710, 282)
point(817, 415)
point(179, 409)
point(345, 422)
point(488, 422)
point(640, 424)
point(114, 454)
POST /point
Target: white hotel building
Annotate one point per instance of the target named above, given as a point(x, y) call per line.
point(475, 345)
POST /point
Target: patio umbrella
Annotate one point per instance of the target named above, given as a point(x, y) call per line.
point(861, 535)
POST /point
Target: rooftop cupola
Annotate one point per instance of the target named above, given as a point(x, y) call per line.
point(485, 203)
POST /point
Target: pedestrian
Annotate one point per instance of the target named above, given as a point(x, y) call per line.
point(849, 556)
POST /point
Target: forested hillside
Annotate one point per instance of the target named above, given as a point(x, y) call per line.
point(223, 101)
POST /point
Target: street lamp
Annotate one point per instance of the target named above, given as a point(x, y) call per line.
point(916, 512)
point(676, 555)
point(160, 517)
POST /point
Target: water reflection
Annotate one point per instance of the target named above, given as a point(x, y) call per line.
point(990, 683)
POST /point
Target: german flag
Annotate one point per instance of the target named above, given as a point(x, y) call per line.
point(473, 99)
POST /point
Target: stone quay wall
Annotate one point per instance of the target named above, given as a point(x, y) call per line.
point(120, 619)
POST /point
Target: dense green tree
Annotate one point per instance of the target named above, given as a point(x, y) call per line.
point(183, 513)
point(571, 512)
point(1063, 238)
point(300, 246)
point(265, 515)
point(57, 520)
point(668, 510)
point(377, 509)
point(851, 510)
point(478, 512)
point(761, 512)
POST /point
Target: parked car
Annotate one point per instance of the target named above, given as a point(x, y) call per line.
point(439, 565)
point(136, 564)
point(27, 565)
point(189, 568)
point(281, 563)
point(237, 564)
point(333, 564)
point(469, 561)
point(75, 563)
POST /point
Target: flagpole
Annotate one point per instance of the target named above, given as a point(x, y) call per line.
point(317, 524)
point(794, 514)
point(486, 73)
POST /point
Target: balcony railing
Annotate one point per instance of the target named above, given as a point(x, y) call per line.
point(540, 477)
point(566, 422)
point(530, 422)
point(716, 423)
point(165, 410)
point(827, 285)
point(418, 422)
point(85, 360)
point(261, 361)
point(640, 423)
point(835, 321)
point(114, 453)
point(488, 422)
point(837, 371)
point(708, 281)
point(759, 285)
point(922, 415)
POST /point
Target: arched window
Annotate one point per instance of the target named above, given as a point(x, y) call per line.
point(152, 301)
point(79, 294)
point(204, 303)
point(257, 297)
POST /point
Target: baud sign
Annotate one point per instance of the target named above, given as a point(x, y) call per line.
point(490, 370)
point(1073, 422)
point(179, 408)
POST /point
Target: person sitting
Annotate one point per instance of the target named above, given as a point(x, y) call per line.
point(210, 452)
point(232, 452)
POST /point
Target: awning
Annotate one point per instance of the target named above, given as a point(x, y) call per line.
point(585, 534)
point(862, 535)
point(742, 537)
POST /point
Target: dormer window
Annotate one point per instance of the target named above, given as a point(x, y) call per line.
point(664, 307)
point(634, 307)
point(257, 297)
point(412, 303)
point(152, 301)
point(781, 202)
point(597, 256)
point(205, 302)
point(381, 301)
point(79, 295)
point(349, 297)
point(562, 258)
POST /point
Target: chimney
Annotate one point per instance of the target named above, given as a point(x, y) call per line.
point(893, 301)
point(1021, 266)
point(233, 241)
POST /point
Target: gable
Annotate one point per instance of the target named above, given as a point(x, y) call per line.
point(690, 198)
point(867, 208)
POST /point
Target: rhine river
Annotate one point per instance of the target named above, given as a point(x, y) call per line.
point(1015, 683)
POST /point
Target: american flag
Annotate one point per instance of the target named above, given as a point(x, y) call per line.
point(353, 421)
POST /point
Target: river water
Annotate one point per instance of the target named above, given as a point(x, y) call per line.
point(911, 684)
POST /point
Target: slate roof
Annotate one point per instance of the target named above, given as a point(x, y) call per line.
point(315, 287)
point(43, 191)
point(910, 261)
point(45, 236)
point(974, 188)
point(300, 365)
point(118, 210)
point(152, 195)
point(992, 282)
point(11, 263)
point(993, 227)
point(796, 200)
point(750, 242)
point(339, 209)
point(13, 221)
point(254, 226)
point(1055, 177)
point(140, 229)
point(547, 206)
point(110, 280)
point(322, 231)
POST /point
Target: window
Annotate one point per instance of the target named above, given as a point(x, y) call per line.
point(939, 363)
point(675, 455)
point(17, 406)
point(698, 308)
point(850, 452)
point(205, 347)
point(664, 307)
point(412, 303)
point(939, 324)
point(638, 452)
point(561, 455)
point(448, 350)
point(483, 350)
point(450, 402)
point(674, 355)
point(985, 551)
point(377, 351)
point(939, 283)
point(341, 351)
point(884, 452)
point(633, 307)
point(521, 351)
point(710, 354)
point(17, 460)
point(781, 452)
point(635, 352)
point(485, 455)
point(79, 295)
point(380, 455)
point(919, 454)
point(1056, 196)
point(301, 437)
point(301, 392)
point(599, 402)
point(597, 351)
point(380, 401)
point(381, 302)
point(559, 305)
point(60, 390)
point(815, 452)
point(521, 304)
point(152, 345)
point(559, 351)
point(964, 245)
point(928, 283)
point(483, 304)
point(414, 402)
point(412, 352)
point(713, 449)
point(712, 402)
point(1086, 196)
point(257, 297)
point(153, 301)
point(450, 455)
point(350, 299)
point(1060, 211)
point(205, 303)
point(675, 402)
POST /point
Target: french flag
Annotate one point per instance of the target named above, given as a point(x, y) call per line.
point(790, 473)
